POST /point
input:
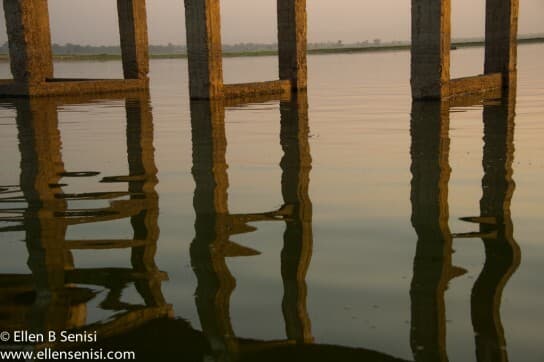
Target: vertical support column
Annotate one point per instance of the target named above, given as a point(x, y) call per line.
point(292, 42)
point(431, 42)
point(501, 30)
point(133, 34)
point(29, 36)
point(203, 28)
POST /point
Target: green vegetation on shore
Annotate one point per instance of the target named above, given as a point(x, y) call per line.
point(256, 53)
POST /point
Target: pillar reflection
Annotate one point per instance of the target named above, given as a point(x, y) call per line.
point(56, 293)
point(502, 253)
point(298, 238)
point(433, 267)
point(215, 225)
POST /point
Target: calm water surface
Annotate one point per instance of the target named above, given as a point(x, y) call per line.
point(347, 218)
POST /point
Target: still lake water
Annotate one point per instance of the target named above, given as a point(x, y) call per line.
point(332, 219)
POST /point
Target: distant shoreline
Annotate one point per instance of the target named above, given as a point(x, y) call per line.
point(260, 53)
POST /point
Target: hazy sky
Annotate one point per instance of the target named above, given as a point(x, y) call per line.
point(95, 21)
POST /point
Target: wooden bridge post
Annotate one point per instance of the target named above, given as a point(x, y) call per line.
point(133, 33)
point(501, 30)
point(203, 27)
point(29, 37)
point(292, 42)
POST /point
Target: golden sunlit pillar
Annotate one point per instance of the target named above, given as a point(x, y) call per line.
point(501, 31)
point(29, 37)
point(203, 30)
point(430, 52)
point(133, 34)
point(292, 42)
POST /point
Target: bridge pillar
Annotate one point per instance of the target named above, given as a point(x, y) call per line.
point(29, 37)
point(501, 30)
point(292, 41)
point(431, 43)
point(31, 58)
point(203, 28)
point(133, 33)
point(431, 37)
point(204, 54)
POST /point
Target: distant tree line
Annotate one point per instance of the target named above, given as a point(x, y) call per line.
point(77, 49)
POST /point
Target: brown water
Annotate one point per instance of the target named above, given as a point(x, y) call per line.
point(348, 219)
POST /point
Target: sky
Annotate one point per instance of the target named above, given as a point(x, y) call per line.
point(94, 22)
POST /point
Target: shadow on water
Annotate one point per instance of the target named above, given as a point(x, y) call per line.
point(56, 293)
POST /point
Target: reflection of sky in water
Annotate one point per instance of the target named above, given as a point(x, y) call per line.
point(363, 241)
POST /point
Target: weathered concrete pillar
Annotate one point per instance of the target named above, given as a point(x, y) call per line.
point(29, 36)
point(203, 28)
point(133, 33)
point(431, 41)
point(292, 42)
point(501, 30)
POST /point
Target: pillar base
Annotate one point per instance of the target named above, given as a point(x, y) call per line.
point(480, 86)
point(63, 86)
point(244, 90)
